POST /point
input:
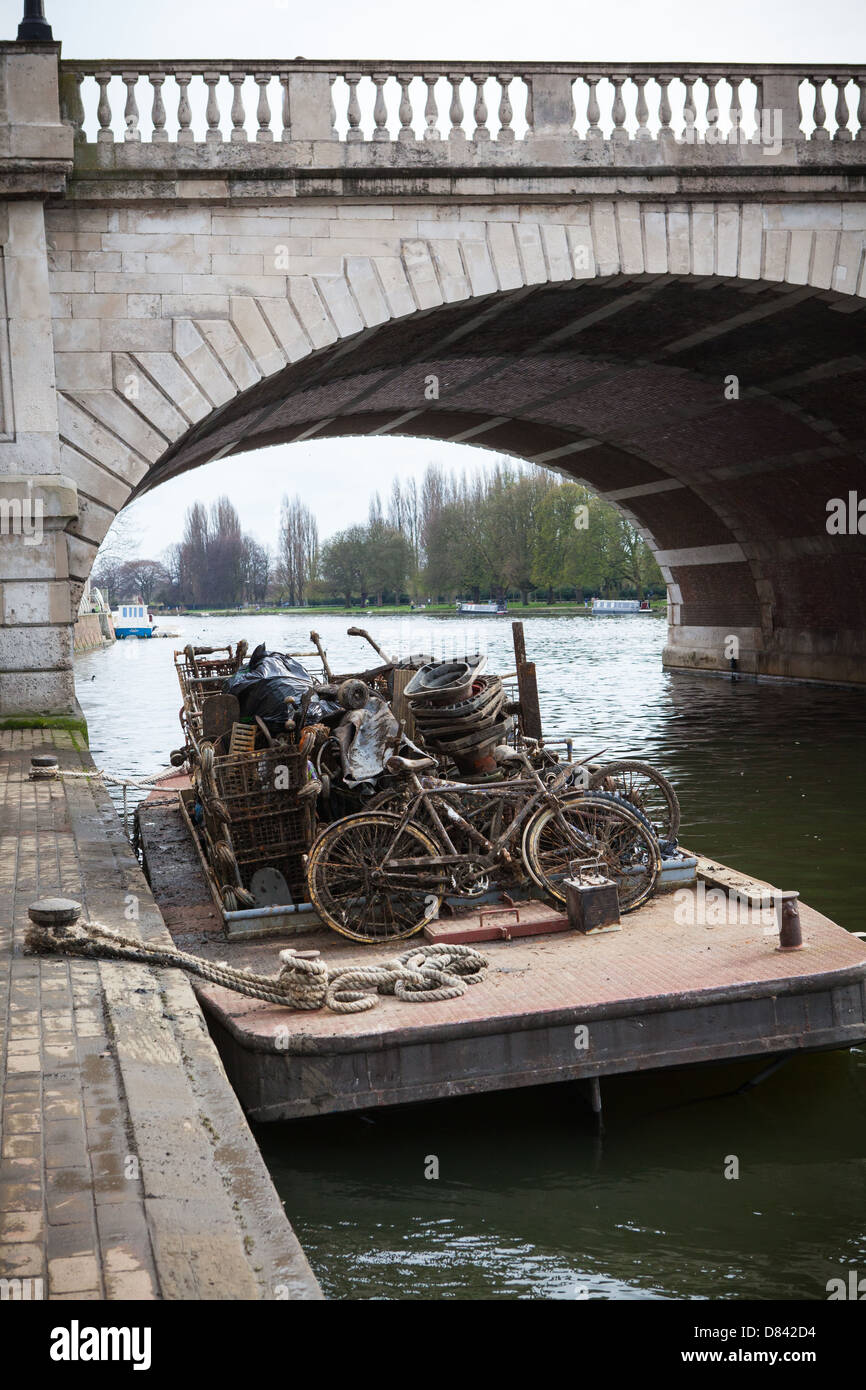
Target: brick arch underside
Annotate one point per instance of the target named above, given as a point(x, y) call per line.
point(623, 383)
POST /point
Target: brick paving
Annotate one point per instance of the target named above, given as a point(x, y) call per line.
point(127, 1170)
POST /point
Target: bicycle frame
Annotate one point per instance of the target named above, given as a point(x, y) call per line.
point(495, 851)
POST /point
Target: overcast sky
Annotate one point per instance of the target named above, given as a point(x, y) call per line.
point(335, 477)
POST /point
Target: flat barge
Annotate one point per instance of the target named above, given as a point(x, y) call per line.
point(662, 992)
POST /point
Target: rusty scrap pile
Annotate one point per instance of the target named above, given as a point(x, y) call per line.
point(459, 712)
point(275, 754)
point(272, 751)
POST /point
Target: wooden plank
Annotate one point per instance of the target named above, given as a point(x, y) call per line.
point(527, 686)
point(399, 704)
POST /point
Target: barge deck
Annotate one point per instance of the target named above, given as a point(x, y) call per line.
point(663, 992)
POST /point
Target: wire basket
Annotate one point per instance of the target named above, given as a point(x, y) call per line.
point(251, 783)
point(202, 677)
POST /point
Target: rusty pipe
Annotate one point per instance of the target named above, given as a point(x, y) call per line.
point(362, 632)
point(317, 643)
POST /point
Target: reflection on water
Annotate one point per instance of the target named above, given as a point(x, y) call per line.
point(528, 1202)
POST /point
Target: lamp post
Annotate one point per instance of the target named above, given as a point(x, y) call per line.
point(34, 25)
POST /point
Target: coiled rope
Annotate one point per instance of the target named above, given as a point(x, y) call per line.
point(425, 974)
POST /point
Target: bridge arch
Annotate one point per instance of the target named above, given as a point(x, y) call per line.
point(697, 364)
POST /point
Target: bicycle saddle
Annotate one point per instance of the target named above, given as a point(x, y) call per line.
point(397, 764)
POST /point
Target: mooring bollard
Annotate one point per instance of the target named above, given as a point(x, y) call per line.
point(790, 932)
point(43, 766)
point(54, 912)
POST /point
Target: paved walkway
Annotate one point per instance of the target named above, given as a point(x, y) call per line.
point(127, 1169)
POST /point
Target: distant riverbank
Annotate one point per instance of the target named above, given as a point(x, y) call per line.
point(442, 610)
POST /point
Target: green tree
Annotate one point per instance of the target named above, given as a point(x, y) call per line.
point(342, 564)
point(566, 552)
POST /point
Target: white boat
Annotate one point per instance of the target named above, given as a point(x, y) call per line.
point(132, 620)
point(491, 609)
point(620, 605)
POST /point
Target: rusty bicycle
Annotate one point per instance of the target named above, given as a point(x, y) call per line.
point(380, 874)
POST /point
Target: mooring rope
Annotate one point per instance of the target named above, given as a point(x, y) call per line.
point(424, 974)
point(114, 779)
point(111, 779)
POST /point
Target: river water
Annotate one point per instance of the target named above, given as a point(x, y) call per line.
point(530, 1202)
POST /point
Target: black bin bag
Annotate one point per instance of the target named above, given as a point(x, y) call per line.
point(266, 685)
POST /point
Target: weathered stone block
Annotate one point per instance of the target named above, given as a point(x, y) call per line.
point(83, 371)
point(135, 335)
point(34, 648)
point(27, 602)
point(38, 692)
point(310, 310)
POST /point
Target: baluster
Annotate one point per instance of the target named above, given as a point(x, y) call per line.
point(620, 134)
point(331, 80)
point(239, 134)
point(130, 114)
point(212, 110)
point(406, 133)
point(157, 114)
point(353, 110)
point(711, 136)
point(263, 109)
point(665, 128)
point(431, 113)
point(380, 109)
point(72, 105)
point(641, 109)
point(819, 114)
point(184, 110)
point(506, 112)
point(480, 132)
point(456, 110)
point(593, 110)
point(861, 108)
point(103, 111)
point(735, 112)
point(689, 110)
point(287, 106)
point(842, 112)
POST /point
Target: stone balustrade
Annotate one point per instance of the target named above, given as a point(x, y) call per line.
point(455, 106)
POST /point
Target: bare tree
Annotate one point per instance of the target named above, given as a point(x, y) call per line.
point(298, 549)
point(257, 569)
point(117, 548)
point(141, 580)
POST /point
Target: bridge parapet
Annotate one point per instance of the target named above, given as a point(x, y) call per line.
point(446, 114)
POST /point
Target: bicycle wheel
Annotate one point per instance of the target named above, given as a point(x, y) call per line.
point(647, 789)
point(354, 892)
point(597, 826)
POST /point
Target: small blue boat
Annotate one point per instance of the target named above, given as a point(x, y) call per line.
point(132, 620)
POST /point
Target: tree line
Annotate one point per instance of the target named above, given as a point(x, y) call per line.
point(507, 530)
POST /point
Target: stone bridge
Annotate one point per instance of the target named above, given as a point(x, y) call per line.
point(650, 279)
